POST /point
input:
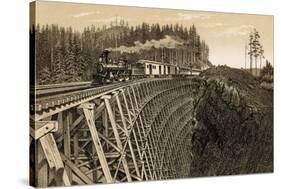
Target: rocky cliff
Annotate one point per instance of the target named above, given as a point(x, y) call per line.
point(234, 130)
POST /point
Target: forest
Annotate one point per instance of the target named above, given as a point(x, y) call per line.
point(63, 54)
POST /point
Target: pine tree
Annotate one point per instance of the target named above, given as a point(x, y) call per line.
point(267, 69)
point(58, 74)
point(45, 76)
point(256, 48)
point(251, 53)
point(193, 44)
point(70, 59)
point(261, 52)
point(79, 61)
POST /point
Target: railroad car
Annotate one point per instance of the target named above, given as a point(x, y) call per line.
point(157, 69)
point(185, 71)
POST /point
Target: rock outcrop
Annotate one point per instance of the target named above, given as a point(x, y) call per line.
point(234, 130)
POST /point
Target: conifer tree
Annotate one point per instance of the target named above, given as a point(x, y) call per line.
point(66, 54)
point(70, 60)
point(45, 76)
point(251, 39)
point(256, 48)
point(58, 74)
point(79, 61)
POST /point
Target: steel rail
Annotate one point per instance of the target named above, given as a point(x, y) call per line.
point(45, 90)
point(46, 106)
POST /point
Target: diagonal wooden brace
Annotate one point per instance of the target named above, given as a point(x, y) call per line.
point(116, 135)
point(42, 132)
point(88, 109)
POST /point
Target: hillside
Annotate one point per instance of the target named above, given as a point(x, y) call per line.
point(234, 134)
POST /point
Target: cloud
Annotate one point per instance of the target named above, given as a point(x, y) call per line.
point(103, 20)
point(85, 14)
point(186, 16)
point(110, 19)
point(241, 30)
point(213, 25)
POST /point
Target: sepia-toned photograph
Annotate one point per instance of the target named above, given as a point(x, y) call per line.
point(127, 94)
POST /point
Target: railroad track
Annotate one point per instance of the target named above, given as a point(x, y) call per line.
point(51, 100)
point(47, 105)
point(47, 90)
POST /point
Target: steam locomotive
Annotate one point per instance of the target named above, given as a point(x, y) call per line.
point(109, 70)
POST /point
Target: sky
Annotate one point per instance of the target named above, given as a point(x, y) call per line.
point(225, 33)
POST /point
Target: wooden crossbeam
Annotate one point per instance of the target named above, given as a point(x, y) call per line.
point(76, 170)
point(88, 109)
point(54, 159)
point(41, 167)
point(75, 147)
point(109, 142)
point(116, 134)
point(67, 120)
point(127, 134)
point(105, 124)
point(42, 133)
point(135, 98)
point(132, 175)
point(41, 128)
point(72, 127)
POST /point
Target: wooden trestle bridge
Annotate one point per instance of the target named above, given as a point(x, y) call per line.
point(133, 131)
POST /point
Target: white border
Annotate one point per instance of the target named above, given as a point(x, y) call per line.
point(14, 93)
